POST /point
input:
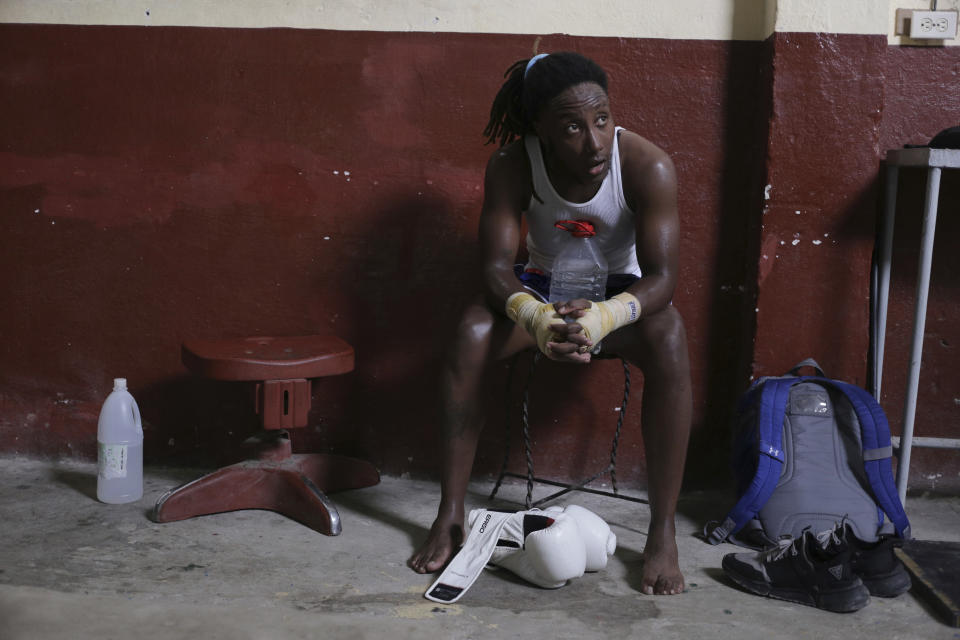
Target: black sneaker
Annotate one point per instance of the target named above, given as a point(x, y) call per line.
point(814, 570)
point(877, 565)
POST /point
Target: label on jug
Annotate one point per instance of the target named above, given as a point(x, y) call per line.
point(113, 461)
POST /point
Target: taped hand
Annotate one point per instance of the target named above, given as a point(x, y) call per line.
point(534, 316)
point(607, 316)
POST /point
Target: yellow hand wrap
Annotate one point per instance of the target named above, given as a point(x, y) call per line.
point(534, 316)
point(603, 317)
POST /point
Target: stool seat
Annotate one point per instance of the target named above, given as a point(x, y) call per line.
point(268, 358)
point(275, 478)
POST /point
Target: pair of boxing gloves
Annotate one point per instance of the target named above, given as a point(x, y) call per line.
point(547, 548)
point(556, 545)
point(597, 321)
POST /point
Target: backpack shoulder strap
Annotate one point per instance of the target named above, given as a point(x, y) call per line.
point(770, 413)
point(877, 452)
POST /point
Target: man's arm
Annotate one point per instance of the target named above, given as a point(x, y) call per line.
point(505, 187)
point(650, 187)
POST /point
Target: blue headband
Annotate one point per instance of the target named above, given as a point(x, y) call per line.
point(533, 61)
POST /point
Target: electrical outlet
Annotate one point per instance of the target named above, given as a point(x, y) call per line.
point(941, 25)
point(927, 25)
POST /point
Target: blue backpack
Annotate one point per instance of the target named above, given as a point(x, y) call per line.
point(810, 452)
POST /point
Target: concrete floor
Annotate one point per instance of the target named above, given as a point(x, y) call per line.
point(71, 567)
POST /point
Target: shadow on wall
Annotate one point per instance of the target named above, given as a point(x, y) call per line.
point(391, 285)
point(746, 112)
point(409, 269)
point(195, 422)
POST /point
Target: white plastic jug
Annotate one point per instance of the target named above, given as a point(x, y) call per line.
point(119, 447)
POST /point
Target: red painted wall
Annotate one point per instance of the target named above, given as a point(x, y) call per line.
point(818, 221)
point(158, 184)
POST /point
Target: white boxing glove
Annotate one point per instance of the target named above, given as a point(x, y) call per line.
point(599, 540)
point(545, 549)
point(550, 556)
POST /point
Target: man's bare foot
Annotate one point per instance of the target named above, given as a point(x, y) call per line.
point(661, 566)
point(446, 536)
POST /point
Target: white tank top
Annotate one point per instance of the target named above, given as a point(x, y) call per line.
point(613, 220)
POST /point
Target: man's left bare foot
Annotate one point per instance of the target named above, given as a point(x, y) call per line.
point(661, 566)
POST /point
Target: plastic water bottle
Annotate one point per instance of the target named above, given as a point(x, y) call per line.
point(579, 270)
point(120, 447)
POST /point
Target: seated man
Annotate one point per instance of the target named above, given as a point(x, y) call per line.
point(561, 157)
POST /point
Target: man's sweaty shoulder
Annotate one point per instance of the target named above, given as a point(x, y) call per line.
point(507, 179)
point(646, 169)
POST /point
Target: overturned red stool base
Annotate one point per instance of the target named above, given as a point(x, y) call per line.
point(275, 479)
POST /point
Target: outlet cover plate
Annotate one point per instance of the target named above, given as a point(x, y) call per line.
point(927, 25)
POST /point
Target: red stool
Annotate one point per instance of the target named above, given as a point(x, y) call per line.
point(277, 479)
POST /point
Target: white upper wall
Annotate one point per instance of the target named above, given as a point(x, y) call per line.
point(826, 16)
point(695, 19)
point(679, 19)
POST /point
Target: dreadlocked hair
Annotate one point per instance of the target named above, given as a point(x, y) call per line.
point(524, 95)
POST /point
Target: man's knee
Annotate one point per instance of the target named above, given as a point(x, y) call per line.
point(666, 329)
point(662, 342)
point(475, 328)
point(471, 341)
point(484, 336)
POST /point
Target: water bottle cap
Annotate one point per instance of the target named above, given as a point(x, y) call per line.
point(577, 228)
point(119, 384)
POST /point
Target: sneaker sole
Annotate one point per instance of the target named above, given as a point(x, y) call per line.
point(847, 600)
point(890, 585)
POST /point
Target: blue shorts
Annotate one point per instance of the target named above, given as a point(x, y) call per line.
point(540, 283)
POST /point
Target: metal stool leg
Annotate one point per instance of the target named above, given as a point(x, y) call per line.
point(506, 427)
point(528, 451)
